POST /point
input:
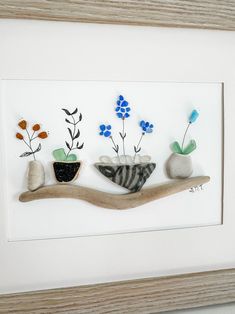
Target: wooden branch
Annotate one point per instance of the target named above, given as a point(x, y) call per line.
point(113, 201)
point(212, 14)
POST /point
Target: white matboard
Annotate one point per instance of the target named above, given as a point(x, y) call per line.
point(166, 104)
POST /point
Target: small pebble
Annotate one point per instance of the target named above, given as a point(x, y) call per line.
point(105, 159)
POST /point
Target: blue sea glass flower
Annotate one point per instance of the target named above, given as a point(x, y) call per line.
point(122, 109)
point(105, 130)
point(193, 116)
point(146, 126)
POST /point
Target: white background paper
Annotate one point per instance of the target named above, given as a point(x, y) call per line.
point(166, 105)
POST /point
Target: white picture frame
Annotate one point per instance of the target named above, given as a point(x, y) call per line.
point(165, 54)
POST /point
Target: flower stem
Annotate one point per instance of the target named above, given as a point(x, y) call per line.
point(74, 130)
point(116, 147)
point(137, 147)
point(123, 136)
point(182, 146)
point(32, 137)
point(29, 144)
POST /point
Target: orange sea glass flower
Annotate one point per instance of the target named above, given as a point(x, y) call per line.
point(22, 124)
point(36, 127)
point(19, 136)
point(43, 135)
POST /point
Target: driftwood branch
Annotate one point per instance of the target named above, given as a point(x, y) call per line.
point(113, 201)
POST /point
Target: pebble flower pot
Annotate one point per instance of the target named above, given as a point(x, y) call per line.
point(129, 176)
point(36, 175)
point(179, 166)
point(66, 171)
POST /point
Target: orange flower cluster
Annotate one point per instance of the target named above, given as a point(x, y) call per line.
point(36, 127)
point(30, 136)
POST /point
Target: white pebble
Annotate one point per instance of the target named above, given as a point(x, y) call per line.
point(137, 159)
point(36, 175)
point(145, 158)
point(105, 159)
point(116, 160)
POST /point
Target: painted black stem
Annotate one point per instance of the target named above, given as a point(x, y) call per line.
point(74, 130)
point(137, 148)
point(116, 147)
point(185, 133)
point(29, 144)
point(123, 135)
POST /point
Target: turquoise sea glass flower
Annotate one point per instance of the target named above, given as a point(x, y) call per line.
point(193, 116)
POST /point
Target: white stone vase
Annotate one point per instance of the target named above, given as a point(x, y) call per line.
point(36, 175)
point(179, 166)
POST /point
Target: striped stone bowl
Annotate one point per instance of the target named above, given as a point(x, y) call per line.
point(129, 176)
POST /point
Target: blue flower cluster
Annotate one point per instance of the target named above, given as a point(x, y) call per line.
point(105, 130)
point(193, 116)
point(122, 108)
point(146, 126)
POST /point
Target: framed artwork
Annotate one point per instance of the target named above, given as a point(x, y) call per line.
point(116, 160)
point(134, 165)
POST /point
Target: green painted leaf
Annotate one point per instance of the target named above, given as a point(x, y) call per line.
point(59, 154)
point(176, 148)
point(190, 147)
point(72, 157)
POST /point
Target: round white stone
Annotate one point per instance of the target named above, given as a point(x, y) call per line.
point(179, 166)
point(105, 159)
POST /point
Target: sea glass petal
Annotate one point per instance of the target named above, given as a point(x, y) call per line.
point(59, 154)
point(176, 148)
